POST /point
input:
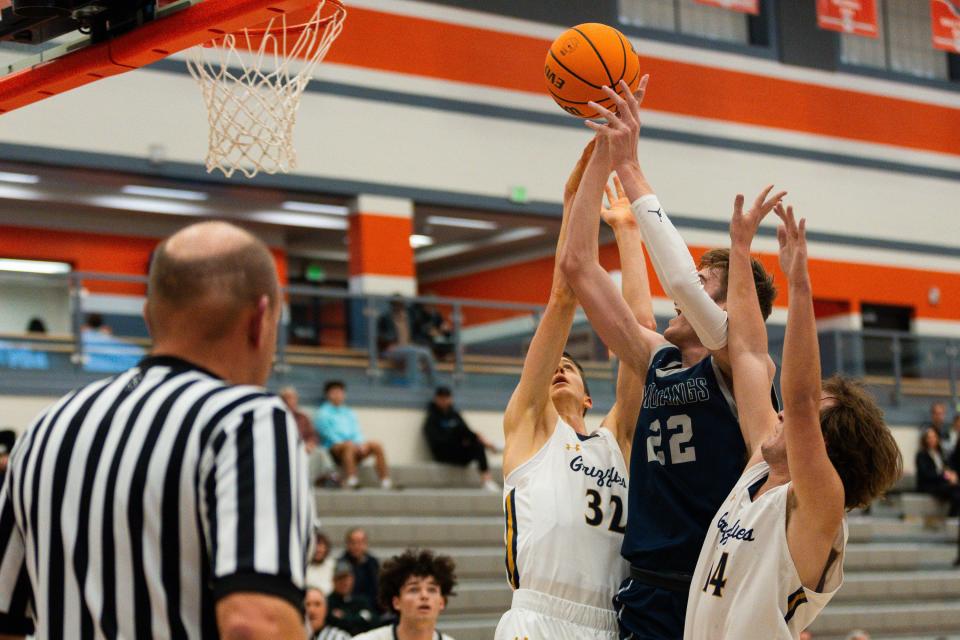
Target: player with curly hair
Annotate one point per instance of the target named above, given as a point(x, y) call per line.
point(416, 586)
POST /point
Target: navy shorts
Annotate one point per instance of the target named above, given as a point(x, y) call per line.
point(645, 612)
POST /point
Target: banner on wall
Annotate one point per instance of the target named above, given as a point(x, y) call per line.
point(743, 6)
point(857, 17)
point(945, 16)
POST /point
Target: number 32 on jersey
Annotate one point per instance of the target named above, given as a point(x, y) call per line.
point(679, 432)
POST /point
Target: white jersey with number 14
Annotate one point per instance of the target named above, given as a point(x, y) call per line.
point(746, 585)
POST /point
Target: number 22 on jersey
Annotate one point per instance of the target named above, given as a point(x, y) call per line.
point(678, 434)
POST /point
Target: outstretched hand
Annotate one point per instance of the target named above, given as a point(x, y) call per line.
point(793, 244)
point(619, 213)
point(573, 182)
point(622, 129)
point(743, 226)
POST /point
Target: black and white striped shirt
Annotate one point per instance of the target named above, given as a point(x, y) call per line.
point(134, 503)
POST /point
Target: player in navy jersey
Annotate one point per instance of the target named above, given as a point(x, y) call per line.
point(689, 448)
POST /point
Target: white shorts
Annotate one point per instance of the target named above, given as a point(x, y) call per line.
point(537, 616)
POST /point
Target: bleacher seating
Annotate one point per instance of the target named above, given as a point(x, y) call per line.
point(899, 578)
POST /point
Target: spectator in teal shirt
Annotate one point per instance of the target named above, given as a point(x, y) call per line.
point(339, 432)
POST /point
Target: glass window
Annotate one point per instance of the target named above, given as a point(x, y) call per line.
point(904, 45)
point(688, 17)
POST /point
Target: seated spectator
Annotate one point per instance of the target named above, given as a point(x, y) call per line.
point(450, 439)
point(103, 353)
point(320, 569)
point(397, 333)
point(365, 566)
point(339, 432)
point(433, 330)
point(416, 585)
point(938, 419)
point(315, 606)
point(933, 475)
point(806, 635)
point(322, 469)
point(345, 610)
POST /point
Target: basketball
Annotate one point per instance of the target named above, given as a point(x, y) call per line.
point(583, 60)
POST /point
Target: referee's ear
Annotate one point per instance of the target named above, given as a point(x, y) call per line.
point(259, 328)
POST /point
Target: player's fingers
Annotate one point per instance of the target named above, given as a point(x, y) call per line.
point(772, 202)
point(758, 203)
point(641, 89)
point(780, 211)
point(738, 205)
point(612, 120)
point(619, 186)
point(782, 236)
point(630, 101)
point(609, 193)
point(596, 126)
point(621, 106)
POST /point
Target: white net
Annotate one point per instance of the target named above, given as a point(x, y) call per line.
point(252, 84)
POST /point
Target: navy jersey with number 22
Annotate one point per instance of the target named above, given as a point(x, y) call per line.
point(688, 453)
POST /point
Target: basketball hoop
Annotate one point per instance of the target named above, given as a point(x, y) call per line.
point(252, 82)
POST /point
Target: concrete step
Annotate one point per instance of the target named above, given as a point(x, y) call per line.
point(426, 531)
point(878, 556)
point(481, 598)
point(427, 475)
point(469, 627)
point(870, 529)
point(426, 502)
point(916, 586)
point(888, 618)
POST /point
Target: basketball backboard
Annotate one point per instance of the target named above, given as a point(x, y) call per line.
point(40, 57)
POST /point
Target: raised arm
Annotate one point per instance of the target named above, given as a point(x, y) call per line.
point(608, 313)
point(530, 406)
point(753, 370)
point(816, 484)
point(622, 419)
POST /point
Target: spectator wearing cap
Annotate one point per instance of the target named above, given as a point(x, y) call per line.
point(366, 567)
point(345, 609)
point(315, 606)
point(322, 468)
point(451, 441)
point(416, 585)
point(339, 431)
point(322, 564)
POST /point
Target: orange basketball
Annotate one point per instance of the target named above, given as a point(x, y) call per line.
point(583, 60)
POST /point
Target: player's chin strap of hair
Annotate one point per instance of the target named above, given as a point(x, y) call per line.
point(678, 274)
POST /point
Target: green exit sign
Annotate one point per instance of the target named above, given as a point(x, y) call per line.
point(519, 195)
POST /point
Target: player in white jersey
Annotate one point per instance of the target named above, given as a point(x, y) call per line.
point(565, 490)
point(773, 556)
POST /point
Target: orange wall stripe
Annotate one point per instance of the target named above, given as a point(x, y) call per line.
point(380, 245)
point(105, 253)
point(844, 284)
point(482, 57)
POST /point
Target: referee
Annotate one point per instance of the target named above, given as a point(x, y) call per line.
point(170, 501)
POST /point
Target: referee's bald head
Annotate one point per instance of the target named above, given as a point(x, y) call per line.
point(207, 273)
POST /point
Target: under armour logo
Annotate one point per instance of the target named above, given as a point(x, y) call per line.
point(659, 213)
point(573, 447)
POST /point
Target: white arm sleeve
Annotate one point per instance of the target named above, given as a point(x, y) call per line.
point(678, 274)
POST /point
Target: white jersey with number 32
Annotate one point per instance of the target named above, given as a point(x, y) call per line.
point(746, 585)
point(565, 511)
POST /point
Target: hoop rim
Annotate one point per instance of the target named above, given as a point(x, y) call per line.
point(337, 11)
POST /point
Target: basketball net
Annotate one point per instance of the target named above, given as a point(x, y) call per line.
point(252, 97)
